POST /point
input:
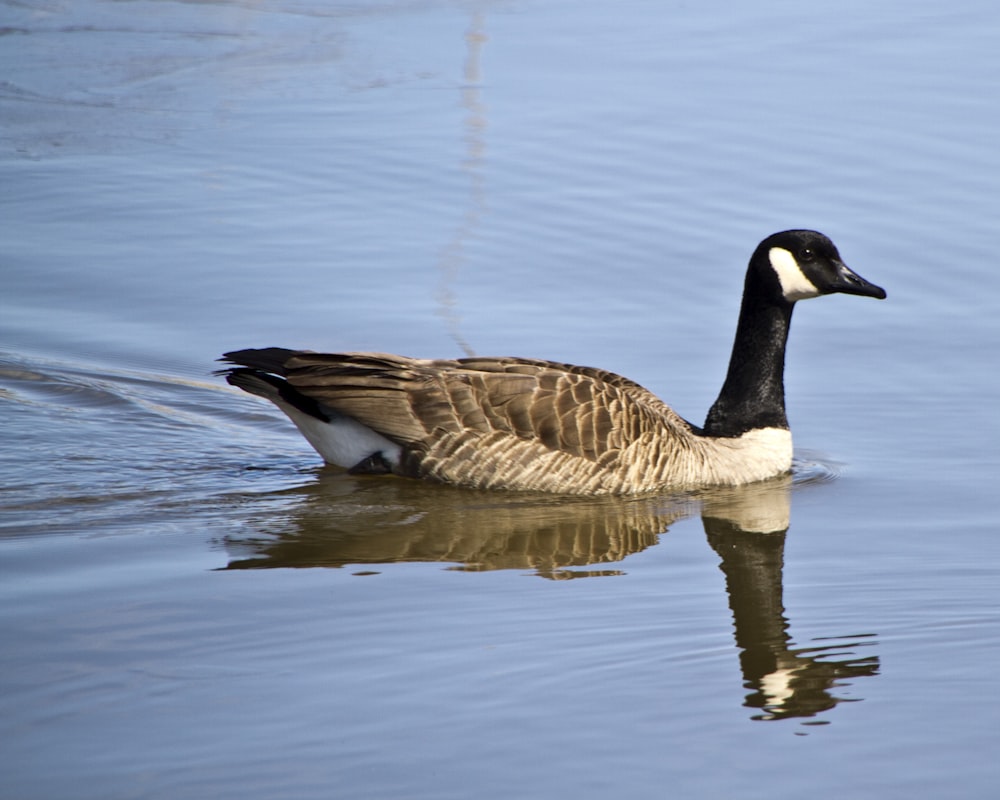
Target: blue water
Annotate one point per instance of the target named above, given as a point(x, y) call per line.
point(191, 606)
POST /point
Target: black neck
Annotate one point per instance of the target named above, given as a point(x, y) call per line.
point(753, 395)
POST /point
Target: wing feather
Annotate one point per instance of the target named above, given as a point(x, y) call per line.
point(582, 411)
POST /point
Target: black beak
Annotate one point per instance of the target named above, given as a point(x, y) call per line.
point(849, 282)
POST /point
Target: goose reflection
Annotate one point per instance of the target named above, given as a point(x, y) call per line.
point(341, 520)
point(747, 531)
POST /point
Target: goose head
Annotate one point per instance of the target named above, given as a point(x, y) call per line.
point(801, 264)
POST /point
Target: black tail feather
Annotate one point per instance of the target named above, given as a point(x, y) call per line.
point(272, 388)
point(264, 359)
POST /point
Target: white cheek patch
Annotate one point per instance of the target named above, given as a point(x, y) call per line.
point(794, 284)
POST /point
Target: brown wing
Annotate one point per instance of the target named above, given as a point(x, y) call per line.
point(581, 411)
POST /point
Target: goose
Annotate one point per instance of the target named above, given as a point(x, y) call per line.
point(534, 425)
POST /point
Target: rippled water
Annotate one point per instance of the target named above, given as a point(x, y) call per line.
point(191, 606)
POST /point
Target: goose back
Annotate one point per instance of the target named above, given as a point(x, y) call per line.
point(490, 423)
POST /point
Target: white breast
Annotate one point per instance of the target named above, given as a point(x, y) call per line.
point(754, 456)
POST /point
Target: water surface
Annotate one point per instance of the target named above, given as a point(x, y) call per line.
point(191, 606)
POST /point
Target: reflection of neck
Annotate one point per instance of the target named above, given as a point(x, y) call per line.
point(753, 395)
point(752, 564)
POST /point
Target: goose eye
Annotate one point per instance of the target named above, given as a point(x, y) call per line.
point(807, 254)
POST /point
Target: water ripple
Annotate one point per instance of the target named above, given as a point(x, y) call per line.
point(809, 469)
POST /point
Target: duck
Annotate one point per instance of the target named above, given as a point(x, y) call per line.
point(523, 424)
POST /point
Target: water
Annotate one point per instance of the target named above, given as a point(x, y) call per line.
point(191, 606)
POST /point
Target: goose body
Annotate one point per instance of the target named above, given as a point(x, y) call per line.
point(526, 424)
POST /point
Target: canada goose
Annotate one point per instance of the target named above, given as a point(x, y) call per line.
point(525, 424)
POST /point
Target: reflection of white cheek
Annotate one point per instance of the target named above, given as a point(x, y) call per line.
point(794, 284)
